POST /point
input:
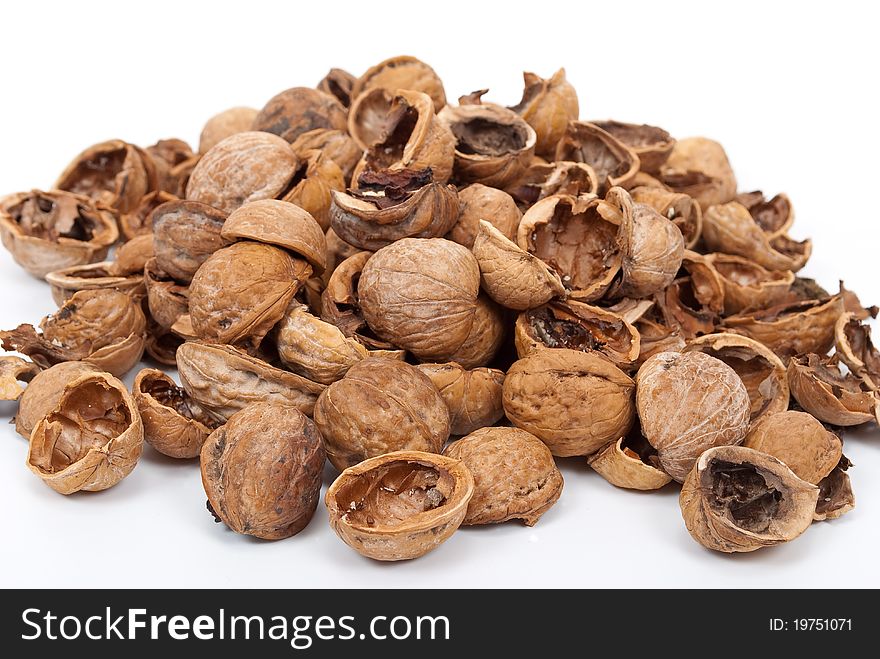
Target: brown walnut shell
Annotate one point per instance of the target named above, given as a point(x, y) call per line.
point(166, 156)
point(400, 505)
point(542, 180)
point(139, 222)
point(337, 145)
point(43, 393)
point(223, 380)
point(698, 167)
point(688, 403)
point(691, 305)
point(49, 231)
point(185, 234)
point(655, 337)
point(547, 105)
point(402, 72)
point(298, 110)
point(852, 304)
point(338, 83)
point(651, 144)
point(131, 257)
point(545, 393)
point(820, 388)
point(161, 345)
point(615, 163)
point(680, 209)
point(420, 295)
point(748, 285)
point(167, 300)
point(487, 334)
point(473, 397)
point(311, 187)
point(480, 202)
point(262, 471)
point(174, 424)
point(225, 124)
point(852, 340)
point(91, 439)
point(836, 497)
point(515, 476)
point(91, 276)
point(775, 216)
point(381, 405)
point(14, 371)
point(630, 463)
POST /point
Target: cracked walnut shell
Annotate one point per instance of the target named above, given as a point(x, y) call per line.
point(819, 386)
point(43, 393)
point(547, 105)
point(615, 163)
point(852, 340)
point(185, 234)
point(402, 72)
point(630, 463)
point(14, 371)
point(698, 167)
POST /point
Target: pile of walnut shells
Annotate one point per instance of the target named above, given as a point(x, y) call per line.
point(439, 299)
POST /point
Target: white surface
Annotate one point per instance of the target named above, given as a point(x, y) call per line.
point(787, 91)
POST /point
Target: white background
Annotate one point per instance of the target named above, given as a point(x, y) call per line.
point(790, 89)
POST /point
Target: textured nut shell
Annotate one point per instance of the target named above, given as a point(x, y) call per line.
point(337, 145)
point(224, 124)
point(543, 179)
point(622, 470)
point(262, 471)
point(775, 216)
point(95, 403)
point(415, 535)
point(64, 283)
point(295, 111)
point(185, 234)
point(615, 163)
point(113, 173)
point(166, 299)
point(241, 168)
point(715, 531)
point(511, 276)
point(651, 144)
point(547, 105)
point(381, 405)
point(402, 72)
point(43, 393)
point(575, 402)
point(480, 202)
point(485, 338)
point(852, 341)
point(225, 380)
point(338, 83)
point(681, 209)
point(799, 441)
point(119, 357)
point(698, 167)
point(515, 476)
point(131, 256)
point(749, 285)
point(822, 390)
point(14, 371)
point(688, 403)
point(139, 221)
point(836, 497)
point(421, 294)
point(318, 178)
point(473, 397)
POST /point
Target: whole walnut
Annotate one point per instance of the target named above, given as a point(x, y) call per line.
point(421, 295)
point(688, 403)
point(185, 234)
point(472, 397)
point(226, 123)
point(298, 110)
point(381, 405)
point(699, 167)
point(480, 202)
point(262, 471)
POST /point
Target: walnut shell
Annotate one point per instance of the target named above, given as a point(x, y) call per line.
point(542, 180)
point(139, 222)
point(819, 387)
point(241, 291)
point(185, 234)
point(92, 276)
point(225, 124)
point(485, 338)
point(49, 231)
point(799, 441)
point(224, 380)
point(381, 405)
point(510, 275)
point(402, 72)
point(337, 145)
point(298, 110)
point(775, 216)
point(615, 163)
point(736, 499)
point(13, 371)
point(91, 439)
point(167, 300)
point(162, 345)
point(698, 167)
point(515, 476)
point(545, 393)
point(338, 83)
point(43, 393)
point(131, 256)
point(656, 337)
point(317, 177)
point(241, 168)
point(691, 305)
point(630, 463)
point(473, 397)
point(480, 202)
point(421, 294)
point(748, 285)
point(688, 403)
point(262, 471)
point(401, 505)
point(651, 144)
point(547, 105)
point(682, 210)
point(174, 424)
point(852, 340)
point(836, 497)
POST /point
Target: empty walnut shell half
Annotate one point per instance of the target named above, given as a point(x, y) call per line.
point(544, 393)
point(480, 202)
point(680, 209)
point(698, 167)
point(819, 386)
point(542, 180)
point(511, 276)
point(836, 497)
point(547, 105)
point(262, 471)
point(688, 403)
point(762, 372)
point(298, 110)
point(577, 326)
point(736, 499)
point(402, 72)
point(615, 163)
point(400, 505)
point(515, 476)
point(167, 300)
point(488, 332)
point(223, 380)
point(43, 393)
point(15, 370)
point(391, 205)
point(174, 424)
point(381, 405)
point(241, 168)
point(338, 83)
point(651, 144)
point(185, 234)
point(225, 124)
point(91, 276)
point(420, 295)
point(337, 145)
point(747, 285)
point(494, 146)
point(91, 440)
point(630, 463)
point(49, 231)
point(799, 441)
point(731, 229)
point(775, 216)
point(852, 340)
point(473, 397)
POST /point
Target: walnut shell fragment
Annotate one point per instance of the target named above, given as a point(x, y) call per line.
point(548, 105)
point(630, 463)
point(14, 371)
point(615, 163)
point(698, 167)
point(312, 184)
point(688, 403)
point(819, 387)
point(542, 180)
point(185, 234)
point(480, 202)
point(91, 440)
point(680, 209)
point(775, 216)
point(337, 145)
point(338, 83)
point(381, 405)
point(43, 393)
point(515, 476)
point(402, 72)
point(131, 257)
point(166, 299)
point(298, 110)
point(651, 144)
point(691, 305)
point(736, 499)
point(473, 397)
point(748, 285)
point(262, 471)
point(852, 340)
point(400, 505)
point(93, 276)
point(836, 497)
point(544, 393)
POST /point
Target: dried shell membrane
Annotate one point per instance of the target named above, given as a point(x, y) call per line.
point(486, 336)
point(185, 234)
point(224, 124)
point(836, 497)
point(338, 83)
point(615, 163)
point(91, 440)
point(511, 276)
point(544, 393)
point(48, 231)
point(480, 202)
point(631, 463)
point(737, 499)
point(688, 403)
point(855, 348)
point(13, 371)
point(775, 216)
point(494, 145)
point(223, 380)
point(692, 304)
point(729, 228)
point(262, 471)
point(577, 326)
point(402, 72)
point(91, 276)
point(542, 180)
point(43, 393)
point(167, 300)
point(651, 144)
point(139, 222)
point(298, 110)
point(680, 209)
point(547, 105)
point(391, 205)
point(515, 476)
point(401, 505)
point(174, 424)
point(473, 397)
point(819, 387)
point(698, 167)
point(747, 285)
